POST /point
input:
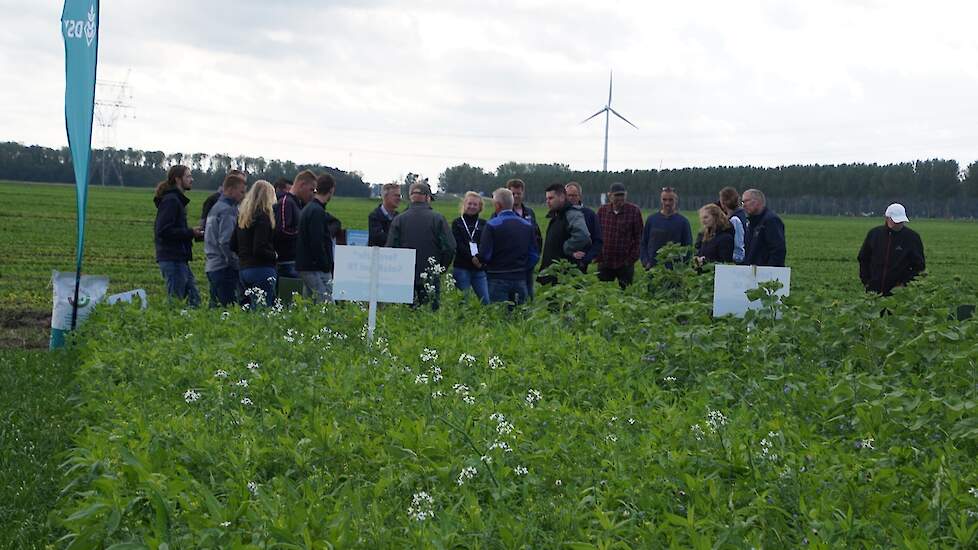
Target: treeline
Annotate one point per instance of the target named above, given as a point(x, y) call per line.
point(929, 188)
point(135, 168)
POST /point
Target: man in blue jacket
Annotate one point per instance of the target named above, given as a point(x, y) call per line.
point(508, 250)
point(665, 226)
point(765, 232)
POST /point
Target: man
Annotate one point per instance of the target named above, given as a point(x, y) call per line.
point(314, 246)
point(665, 226)
point(286, 212)
point(221, 264)
point(765, 232)
point(428, 233)
point(173, 237)
point(380, 218)
point(282, 186)
point(567, 235)
point(621, 225)
point(212, 199)
point(518, 188)
point(575, 198)
point(508, 250)
point(730, 204)
point(892, 254)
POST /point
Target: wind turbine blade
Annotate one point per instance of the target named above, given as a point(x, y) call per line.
point(594, 115)
point(623, 118)
point(610, 80)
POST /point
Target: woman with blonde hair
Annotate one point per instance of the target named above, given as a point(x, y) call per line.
point(253, 242)
point(715, 243)
point(467, 228)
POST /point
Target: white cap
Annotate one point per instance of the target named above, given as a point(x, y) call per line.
point(897, 213)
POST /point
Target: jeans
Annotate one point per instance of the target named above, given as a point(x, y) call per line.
point(224, 286)
point(474, 279)
point(507, 290)
point(319, 284)
point(180, 282)
point(262, 278)
point(287, 269)
point(625, 274)
point(529, 284)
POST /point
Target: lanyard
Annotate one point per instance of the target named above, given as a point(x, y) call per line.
point(472, 231)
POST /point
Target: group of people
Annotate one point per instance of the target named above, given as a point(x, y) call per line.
point(252, 237)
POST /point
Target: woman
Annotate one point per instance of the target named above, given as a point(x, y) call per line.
point(715, 243)
point(467, 229)
point(174, 239)
point(253, 242)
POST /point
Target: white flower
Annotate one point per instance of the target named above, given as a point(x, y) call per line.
point(225, 524)
point(973, 492)
point(669, 379)
point(558, 483)
point(421, 379)
point(224, 317)
point(184, 313)
point(468, 399)
point(253, 488)
point(521, 471)
point(631, 421)
point(437, 394)
point(715, 420)
point(191, 396)
point(435, 374)
point(501, 445)
point(247, 402)
point(486, 458)
point(465, 475)
point(495, 362)
point(504, 428)
point(867, 444)
point(532, 397)
point(429, 355)
point(466, 359)
point(221, 374)
point(253, 366)
point(243, 383)
point(612, 438)
point(697, 432)
point(421, 507)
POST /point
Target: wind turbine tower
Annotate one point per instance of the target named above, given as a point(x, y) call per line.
point(608, 111)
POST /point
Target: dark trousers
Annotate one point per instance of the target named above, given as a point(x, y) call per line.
point(180, 282)
point(261, 278)
point(224, 286)
point(625, 274)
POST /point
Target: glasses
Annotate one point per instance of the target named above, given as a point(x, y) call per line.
point(668, 190)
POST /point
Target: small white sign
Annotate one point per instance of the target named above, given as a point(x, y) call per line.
point(731, 282)
point(372, 273)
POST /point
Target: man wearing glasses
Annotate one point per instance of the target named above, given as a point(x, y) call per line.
point(665, 226)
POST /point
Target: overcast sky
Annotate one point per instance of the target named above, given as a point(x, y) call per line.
point(389, 88)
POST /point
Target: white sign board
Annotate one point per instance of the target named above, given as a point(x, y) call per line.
point(730, 282)
point(372, 273)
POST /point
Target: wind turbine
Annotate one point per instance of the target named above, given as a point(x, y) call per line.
point(608, 111)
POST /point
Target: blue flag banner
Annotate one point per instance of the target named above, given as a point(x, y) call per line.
point(79, 28)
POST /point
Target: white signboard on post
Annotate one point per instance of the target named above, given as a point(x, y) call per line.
point(373, 274)
point(731, 282)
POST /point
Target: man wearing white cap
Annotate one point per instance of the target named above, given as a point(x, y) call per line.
point(892, 254)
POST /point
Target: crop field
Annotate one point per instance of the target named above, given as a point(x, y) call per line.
point(592, 418)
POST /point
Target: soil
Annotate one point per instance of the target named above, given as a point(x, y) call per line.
point(24, 329)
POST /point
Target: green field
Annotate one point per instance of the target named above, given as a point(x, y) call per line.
point(652, 426)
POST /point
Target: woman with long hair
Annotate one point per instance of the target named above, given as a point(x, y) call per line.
point(253, 242)
point(467, 228)
point(173, 237)
point(715, 243)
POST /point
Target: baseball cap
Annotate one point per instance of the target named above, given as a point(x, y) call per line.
point(897, 213)
point(616, 187)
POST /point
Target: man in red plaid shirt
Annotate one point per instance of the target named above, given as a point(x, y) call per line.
point(621, 229)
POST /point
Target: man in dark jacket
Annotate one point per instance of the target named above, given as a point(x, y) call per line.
point(508, 250)
point(567, 234)
point(286, 212)
point(428, 233)
point(380, 218)
point(221, 265)
point(314, 249)
point(765, 232)
point(892, 254)
point(576, 200)
point(174, 238)
point(664, 227)
point(518, 189)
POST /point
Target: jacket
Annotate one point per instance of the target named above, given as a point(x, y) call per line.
point(738, 219)
point(286, 212)
point(890, 258)
point(718, 249)
point(378, 224)
point(427, 232)
point(594, 229)
point(254, 244)
point(314, 246)
point(508, 246)
point(530, 216)
point(566, 234)
point(660, 230)
point(221, 222)
point(209, 203)
point(765, 240)
point(173, 237)
point(465, 235)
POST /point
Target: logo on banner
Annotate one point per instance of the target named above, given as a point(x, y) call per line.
point(78, 28)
